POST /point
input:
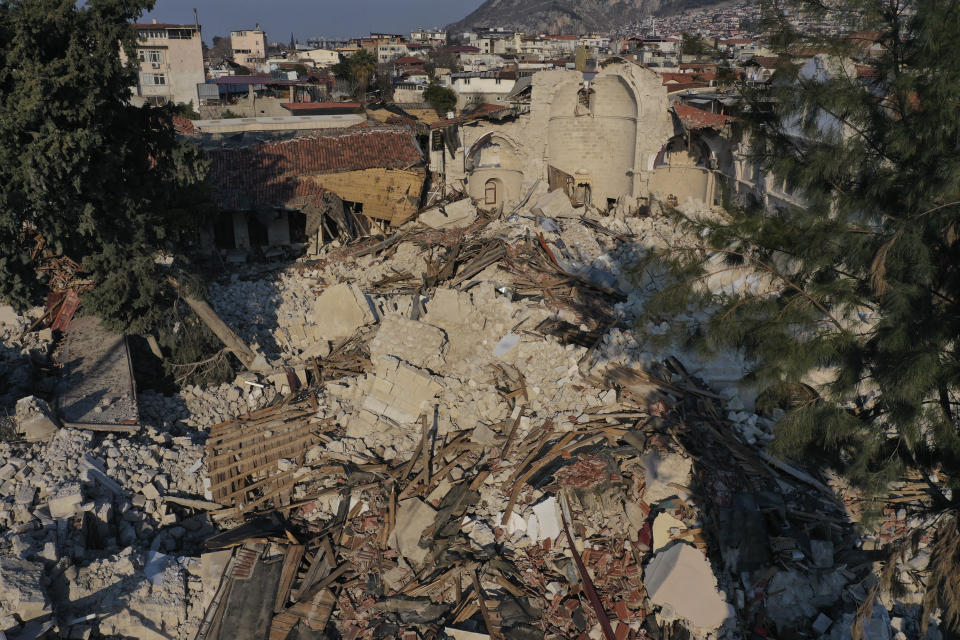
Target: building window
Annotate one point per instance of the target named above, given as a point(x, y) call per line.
point(154, 79)
point(151, 55)
point(490, 192)
point(242, 51)
point(180, 34)
point(152, 34)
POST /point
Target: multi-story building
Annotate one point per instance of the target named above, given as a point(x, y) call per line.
point(436, 37)
point(387, 51)
point(250, 48)
point(171, 63)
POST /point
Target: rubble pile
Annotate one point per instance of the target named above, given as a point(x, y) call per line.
point(23, 357)
point(461, 437)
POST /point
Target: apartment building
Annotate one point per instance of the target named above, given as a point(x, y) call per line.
point(250, 48)
point(434, 37)
point(171, 63)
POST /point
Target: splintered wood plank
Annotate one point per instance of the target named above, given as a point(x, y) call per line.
point(291, 563)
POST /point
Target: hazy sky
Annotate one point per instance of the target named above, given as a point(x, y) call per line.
point(313, 18)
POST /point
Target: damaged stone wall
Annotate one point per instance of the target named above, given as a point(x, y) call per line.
point(386, 194)
point(607, 139)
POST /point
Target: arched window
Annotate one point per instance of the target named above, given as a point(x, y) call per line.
point(585, 100)
point(490, 192)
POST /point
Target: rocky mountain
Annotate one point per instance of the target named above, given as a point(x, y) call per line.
point(568, 16)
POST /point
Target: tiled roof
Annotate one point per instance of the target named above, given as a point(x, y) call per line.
point(694, 118)
point(481, 112)
point(275, 174)
point(683, 86)
point(183, 125)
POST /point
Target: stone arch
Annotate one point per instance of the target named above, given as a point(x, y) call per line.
point(603, 146)
point(494, 166)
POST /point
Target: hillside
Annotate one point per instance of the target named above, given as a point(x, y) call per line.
point(568, 16)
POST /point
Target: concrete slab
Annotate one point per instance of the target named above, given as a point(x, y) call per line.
point(97, 391)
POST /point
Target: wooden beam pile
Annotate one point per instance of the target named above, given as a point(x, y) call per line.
point(244, 454)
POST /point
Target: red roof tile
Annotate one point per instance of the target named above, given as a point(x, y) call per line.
point(183, 125)
point(699, 119)
point(275, 174)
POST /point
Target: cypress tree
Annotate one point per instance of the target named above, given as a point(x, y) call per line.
point(852, 326)
point(96, 179)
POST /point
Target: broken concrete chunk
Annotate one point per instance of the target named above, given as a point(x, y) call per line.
point(555, 204)
point(545, 523)
point(92, 470)
point(662, 472)
point(399, 393)
point(35, 421)
point(413, 516)
point(21, 589)
point(821, 553)
point(453, 215)
point(662, 534)
point(66, 501)
point(418, 343)
point(680, 581)
point(341, 310)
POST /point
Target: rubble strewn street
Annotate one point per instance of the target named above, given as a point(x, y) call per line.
point(461, 437)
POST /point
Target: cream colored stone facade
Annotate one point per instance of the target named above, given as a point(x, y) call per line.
point(597, 139)
point(250, 48)
point(171, 63)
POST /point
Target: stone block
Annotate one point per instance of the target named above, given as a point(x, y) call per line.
point(21, 589)
point(35, 421)
point(454, 215)
point(65, 501)
point(341, 310)
point(680, 580)
point(418, 343)
point(150, 492)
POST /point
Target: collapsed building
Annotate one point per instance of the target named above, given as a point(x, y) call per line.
point(274, 189)
point(460, 433)
point(605, 138)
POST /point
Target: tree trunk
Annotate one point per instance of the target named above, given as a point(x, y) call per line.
point(210, 318)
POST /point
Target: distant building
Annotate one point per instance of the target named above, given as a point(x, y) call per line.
point(171, 63)
point(250, 48)
point(434, 37)
point(319, 57)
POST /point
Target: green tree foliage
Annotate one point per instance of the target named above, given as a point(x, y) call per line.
point(442, 99)
point(103, 182)
point(853, 327)
point(694, 45)
point(358, 69)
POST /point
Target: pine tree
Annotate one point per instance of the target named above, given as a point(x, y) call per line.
point(852, 328)
point(98, 180)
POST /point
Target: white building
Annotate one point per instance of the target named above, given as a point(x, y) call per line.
point(480, 88)
point(388, 51)
point(435, 37)
point(319, 57)
point(171, 63)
